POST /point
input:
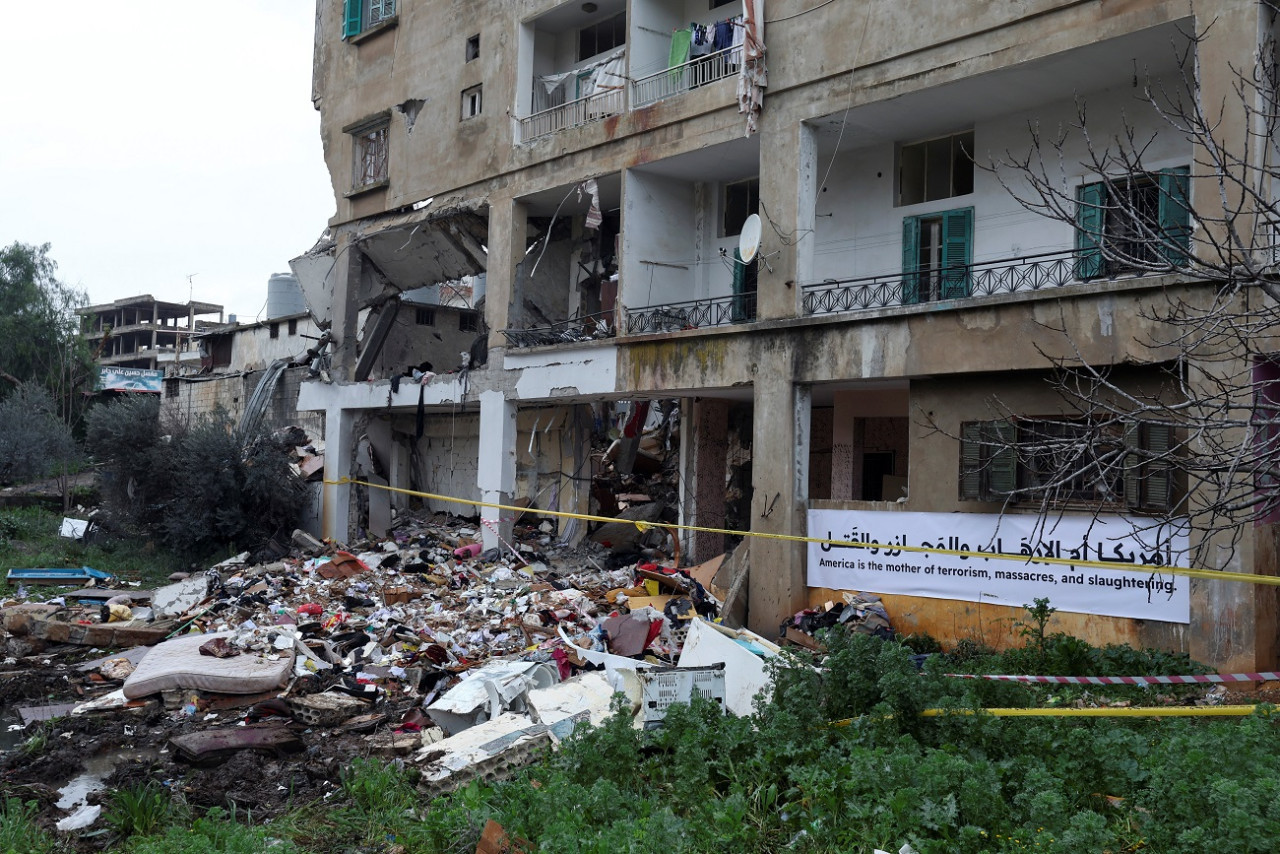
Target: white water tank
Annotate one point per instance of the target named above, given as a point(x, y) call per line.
point(284, 296)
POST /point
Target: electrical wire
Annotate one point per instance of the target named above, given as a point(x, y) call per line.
point(798, 14)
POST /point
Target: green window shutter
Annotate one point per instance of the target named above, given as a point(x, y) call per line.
point(1002, 467)
point(1090, 216)
point(351, 18)
point(910, 260)
point(971, 461)
point(738, 309)
point(957, 253)
point(1175, 214)
point(1157, 439)
point(1134, 464)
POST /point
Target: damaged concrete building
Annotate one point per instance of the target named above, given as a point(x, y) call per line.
point(570, 193)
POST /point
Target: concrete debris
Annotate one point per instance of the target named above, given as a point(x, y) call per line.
point(465, 665)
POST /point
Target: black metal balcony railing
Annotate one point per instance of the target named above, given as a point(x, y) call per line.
point(692, 314)
point(985, 278)
point(563, 332)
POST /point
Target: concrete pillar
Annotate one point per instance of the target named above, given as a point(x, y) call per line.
point(345, 312)
point(496, 468)
point(843, 422)
point(789, 194)
point(508, 235)
point(780, 482)
point(339, 434)
point(705, 450)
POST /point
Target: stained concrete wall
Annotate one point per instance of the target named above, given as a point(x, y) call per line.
point(196, 398)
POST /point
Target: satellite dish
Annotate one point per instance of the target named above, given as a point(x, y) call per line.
point(749, 239)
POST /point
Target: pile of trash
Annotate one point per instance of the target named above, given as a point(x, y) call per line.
point(461, 660)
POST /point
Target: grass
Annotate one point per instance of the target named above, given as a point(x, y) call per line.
point(19, 833)
point(29, 539)
point(786, 779)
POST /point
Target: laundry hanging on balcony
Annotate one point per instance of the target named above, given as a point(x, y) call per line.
point(754, 76)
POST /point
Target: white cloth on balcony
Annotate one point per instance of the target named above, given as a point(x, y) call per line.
point(754, 75)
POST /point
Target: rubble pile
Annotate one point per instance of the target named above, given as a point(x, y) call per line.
point(422, 646)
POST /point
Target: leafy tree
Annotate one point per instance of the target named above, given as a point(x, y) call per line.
point(39, 330)
point(34, 441)
point(197, 486)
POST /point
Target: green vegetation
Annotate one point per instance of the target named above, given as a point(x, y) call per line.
point(29, 539)
point(200, 485)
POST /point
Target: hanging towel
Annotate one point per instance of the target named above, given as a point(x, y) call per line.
point(680, 40)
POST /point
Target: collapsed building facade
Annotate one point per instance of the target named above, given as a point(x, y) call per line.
point(564, 187)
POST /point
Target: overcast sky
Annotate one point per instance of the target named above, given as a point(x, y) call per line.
point(149, 143)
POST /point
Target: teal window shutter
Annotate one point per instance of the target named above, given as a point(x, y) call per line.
point(1002, 475)
point(957, 253)
point(910, 260)
point(351, 18)
point(1148, 472)
point(1175, 214)
point(738, 308)
point(971, 461)
point(988, 460)
point(1090, 216)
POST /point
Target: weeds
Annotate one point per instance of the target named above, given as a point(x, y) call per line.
point(19, 833)
point(139, 810)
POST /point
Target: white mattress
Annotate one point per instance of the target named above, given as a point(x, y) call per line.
point(178, 663)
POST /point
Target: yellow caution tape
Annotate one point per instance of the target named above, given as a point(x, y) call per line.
point(1145, 569)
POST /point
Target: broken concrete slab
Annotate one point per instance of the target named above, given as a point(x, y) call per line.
point(212, 745)
point(492, 750)
point(180, 597)
point(623, 534)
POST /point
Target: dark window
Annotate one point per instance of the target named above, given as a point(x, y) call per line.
point(1065, 461)
point(603, 36)
point(716, 4)
point(468, 321)
point(293, 326)
point(275, 330)
point(741, 200)
point(472, 102)
point(936, 253)
point(935, 169)
point(473, 47)
point(425, 316)
point(1133, 224)
point(369, 145)
point(171, 388)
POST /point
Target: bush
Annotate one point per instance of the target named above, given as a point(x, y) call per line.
point(199, 487)
point(34, 441)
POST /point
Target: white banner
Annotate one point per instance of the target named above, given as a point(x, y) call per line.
point(995, 560)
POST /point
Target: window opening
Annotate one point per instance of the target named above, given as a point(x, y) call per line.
point(274, 330)
point(468, 321)
point(1133, 224)
point(602, 36)
point(471, 102)
point(473, 47)
point(937, 250)
point(293, 326)
point(425, 317)
point(741, 200)
point(370, 144)
point(935, 169)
